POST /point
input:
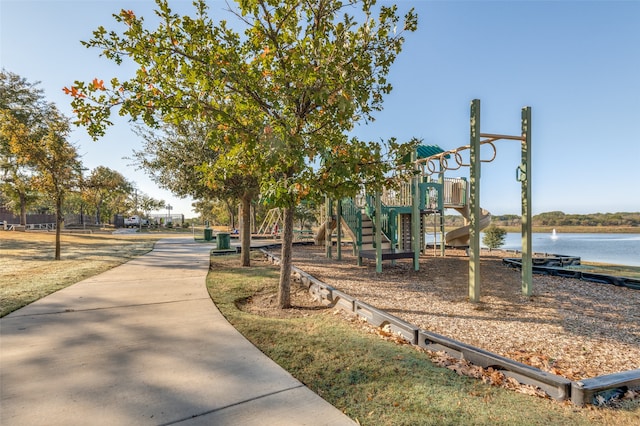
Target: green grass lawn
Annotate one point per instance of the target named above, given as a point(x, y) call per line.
point(375, 381)
point(29, 271)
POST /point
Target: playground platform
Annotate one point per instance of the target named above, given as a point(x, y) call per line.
point(387, 254)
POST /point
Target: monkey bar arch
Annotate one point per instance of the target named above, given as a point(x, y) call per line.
point(439, 163)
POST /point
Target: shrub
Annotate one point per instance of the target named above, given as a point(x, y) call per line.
point(494, 237)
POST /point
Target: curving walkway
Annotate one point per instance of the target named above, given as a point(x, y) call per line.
point(143, 344)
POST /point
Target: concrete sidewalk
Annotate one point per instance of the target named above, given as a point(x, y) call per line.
point(143, 344)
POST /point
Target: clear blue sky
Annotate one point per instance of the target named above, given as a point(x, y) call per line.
point(576, 63)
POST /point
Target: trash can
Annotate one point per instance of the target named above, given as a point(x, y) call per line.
point(208, 234)
point(224, 241)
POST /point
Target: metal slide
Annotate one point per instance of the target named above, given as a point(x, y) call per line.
point(320, 236)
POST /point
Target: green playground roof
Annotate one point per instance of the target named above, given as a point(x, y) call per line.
point(425, 151)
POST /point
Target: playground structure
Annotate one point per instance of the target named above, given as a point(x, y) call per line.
point(391, 225)
point(272, 223)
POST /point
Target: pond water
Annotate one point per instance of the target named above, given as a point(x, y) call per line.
point(620, 249)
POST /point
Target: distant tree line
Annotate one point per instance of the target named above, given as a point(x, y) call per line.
point(558, 218)
point(42, 172)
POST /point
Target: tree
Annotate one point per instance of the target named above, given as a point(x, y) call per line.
point(494, 237)
point(105, 187)
point(217, 212)
point(180, 159)
point(17, 184)
point(148, 204)
point(60, 169)
point(305, 213)
point(20, 102)
point(45, 148)
point(173, 155)
point(284, 93)
point(74, 203)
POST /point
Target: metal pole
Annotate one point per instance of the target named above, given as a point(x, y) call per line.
point(339, 228)
point(138, 213)
point(441, 210)
point(415, 217)
point(378, 233)
point(327, 228)
point(474, 203)
point(525, 179)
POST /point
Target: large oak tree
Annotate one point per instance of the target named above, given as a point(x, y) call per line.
point(180, 158)
point(285, 86)
point(40, 143)
point(21, 102)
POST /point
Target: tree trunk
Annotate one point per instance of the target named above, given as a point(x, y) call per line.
point(284, 289)
point(59, 221)
point(254, 222)
point(23, 208)
point(231, 213)
point(246, 230)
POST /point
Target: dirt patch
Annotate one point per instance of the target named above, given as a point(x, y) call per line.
point(568, 327)
point(265, 303)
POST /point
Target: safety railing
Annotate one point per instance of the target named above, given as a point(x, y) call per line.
point(398, 197)
point(29, 226)
point(455, 192)
point(388, 219)
point(389, 223)
point(352, 215)
point(433, 195)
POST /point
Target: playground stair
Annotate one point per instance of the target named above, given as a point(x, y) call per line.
point(368, 247)
point(360, 227)
point(368, 235)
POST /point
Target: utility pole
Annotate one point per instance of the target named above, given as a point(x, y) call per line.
point(168, 214)
point(138, 213)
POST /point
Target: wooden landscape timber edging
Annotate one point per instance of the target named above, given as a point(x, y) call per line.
point(378, 318)
point(554, 266)
point(557, 387)
point(587, 391)
point(320, 291)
